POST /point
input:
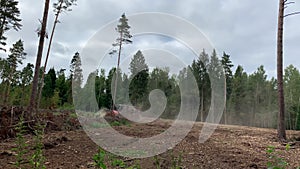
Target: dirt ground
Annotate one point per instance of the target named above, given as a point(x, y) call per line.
point(229, 147)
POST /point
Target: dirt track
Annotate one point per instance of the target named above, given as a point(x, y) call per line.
point(229, 147)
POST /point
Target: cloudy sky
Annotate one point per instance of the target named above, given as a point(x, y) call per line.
point(244, 29)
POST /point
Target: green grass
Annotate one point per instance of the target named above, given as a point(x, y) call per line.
point(98, 125)
point(131, 153)
point(275, 161)
point(102, 159)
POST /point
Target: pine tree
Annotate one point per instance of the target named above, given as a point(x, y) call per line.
point(35, 83)
point(283, 4)
point(9, 18)
point(124, 38)
point(27, 74)
point(281, 114)
point(59, 7)
point(15, 57)
point(2, 66)
point(26, 78)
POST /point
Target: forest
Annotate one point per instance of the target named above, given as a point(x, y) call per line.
point(251, 98)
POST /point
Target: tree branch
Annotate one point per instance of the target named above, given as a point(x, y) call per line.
point(289, 3)
point(290, 14)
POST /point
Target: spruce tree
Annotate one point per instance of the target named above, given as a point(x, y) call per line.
point(76, 71)
point(139, 79)
point(227, 65)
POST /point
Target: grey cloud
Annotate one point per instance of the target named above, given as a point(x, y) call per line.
point(246, 30)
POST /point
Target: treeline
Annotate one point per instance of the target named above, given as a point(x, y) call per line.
point(251, 98)
point(16, 82)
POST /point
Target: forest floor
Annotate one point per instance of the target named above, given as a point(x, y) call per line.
point(229, 147)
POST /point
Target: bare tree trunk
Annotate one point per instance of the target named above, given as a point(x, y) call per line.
point(40, 89)
point(24, 97)
point(7, 89)
point(297, 116)
point(202, 105)
point(117, 74)
point(225, 108)
point(2, 28)
point(6, 93)
point(281, 122)
point(32, 103)
point(255, 107)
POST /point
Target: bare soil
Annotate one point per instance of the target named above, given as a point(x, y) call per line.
point(229, 147)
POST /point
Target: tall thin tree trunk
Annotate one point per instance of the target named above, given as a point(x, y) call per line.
point(202, 105)
point(117, 74)
point(297, 116)
point(225, 108)
point(2, 27)
point(40, 89)
point(2, 32)
point(24, 97)
point(6, 93)
point(281, 122)
point(290, 118)
point(255, 107)
point(7, 89)
point(32, 103)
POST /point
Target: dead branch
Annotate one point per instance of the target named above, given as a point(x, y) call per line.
point(28, 122)
point(290, 14)
point(24, 122)
point(289, 3)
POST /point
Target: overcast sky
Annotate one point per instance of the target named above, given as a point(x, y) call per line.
point(244, 29)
